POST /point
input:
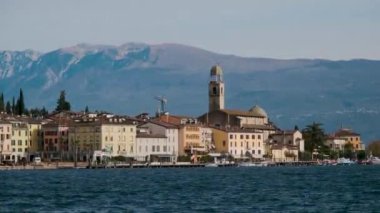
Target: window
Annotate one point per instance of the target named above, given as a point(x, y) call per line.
point(13, 142)
point(26, 142)
point(158, 148)
point(247, 137)
point(235, 143)
point(289, 142)
point(214, 90)
point(259, 152)
point(19, 142)
point(259, 144)
point(231, 136)
point(26, 149)
point(164, 149)
point(131, 129)
point(357, 139)
point(259, 137)
point(231, 144)
point(241, 136)
point(106, 138)
point(224, 143)
point(19, 150)
point(241, 144)
point(253, 136)
point(13, 150)
point(253, 152)
point(253, 144)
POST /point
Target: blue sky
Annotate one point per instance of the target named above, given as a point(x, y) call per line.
point(341, 29)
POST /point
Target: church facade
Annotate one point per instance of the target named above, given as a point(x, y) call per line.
point(239, 133)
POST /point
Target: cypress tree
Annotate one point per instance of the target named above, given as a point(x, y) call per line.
point(62, 104)
point(13, 105)
point(20, 104)
point(2, 107)
point(8, 108)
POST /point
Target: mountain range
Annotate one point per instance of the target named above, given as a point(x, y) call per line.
point(125, 79)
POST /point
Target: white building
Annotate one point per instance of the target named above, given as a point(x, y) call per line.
point(153, 148)
point(285, 145)
point(5, 141)
point(206, 139)
point(335, 143)
point(168, 130)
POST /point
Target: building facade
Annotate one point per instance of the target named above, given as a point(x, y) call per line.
point(239, 143)
point(170, 131)
point(5, 141)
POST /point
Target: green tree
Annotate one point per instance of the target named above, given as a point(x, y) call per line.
point(20, 106)
point(13, 105)
point(314, 137)
point(8, 108)
point(86, 109)
point(374, 148)
point(2, 104)
point(62, 104)
point(348, 150)
point(361, 155)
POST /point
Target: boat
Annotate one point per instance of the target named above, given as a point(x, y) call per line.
point(374, 160)
point(253, 164)
point(211, 165)
point(344, 161)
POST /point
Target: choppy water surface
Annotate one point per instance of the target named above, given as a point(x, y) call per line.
point(310, 189)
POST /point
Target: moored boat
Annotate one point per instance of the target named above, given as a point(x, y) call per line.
point(344, 161)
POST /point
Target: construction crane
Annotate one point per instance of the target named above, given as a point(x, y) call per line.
point(163, 102)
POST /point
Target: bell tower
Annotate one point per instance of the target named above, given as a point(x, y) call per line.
point(216, 89)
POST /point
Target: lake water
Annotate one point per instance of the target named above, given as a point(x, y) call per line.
point(286, 189)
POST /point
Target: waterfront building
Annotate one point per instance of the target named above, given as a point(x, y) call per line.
point(335, 143)
point(153, 148)
point(349, 136)
point(55, 140)
point(5, 141)
point(113, 134)
point(285, 146)
point(20, 142)
point(189, 134)
point(170, 131)
point(239, 143)
point(255, 120)
point(35, 136)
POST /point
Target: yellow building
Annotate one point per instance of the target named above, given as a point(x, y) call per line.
point(20, 141)
point(350, 137)
point(116, 135)
point(239, 143)
point(190, 139)
point(35, 138)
